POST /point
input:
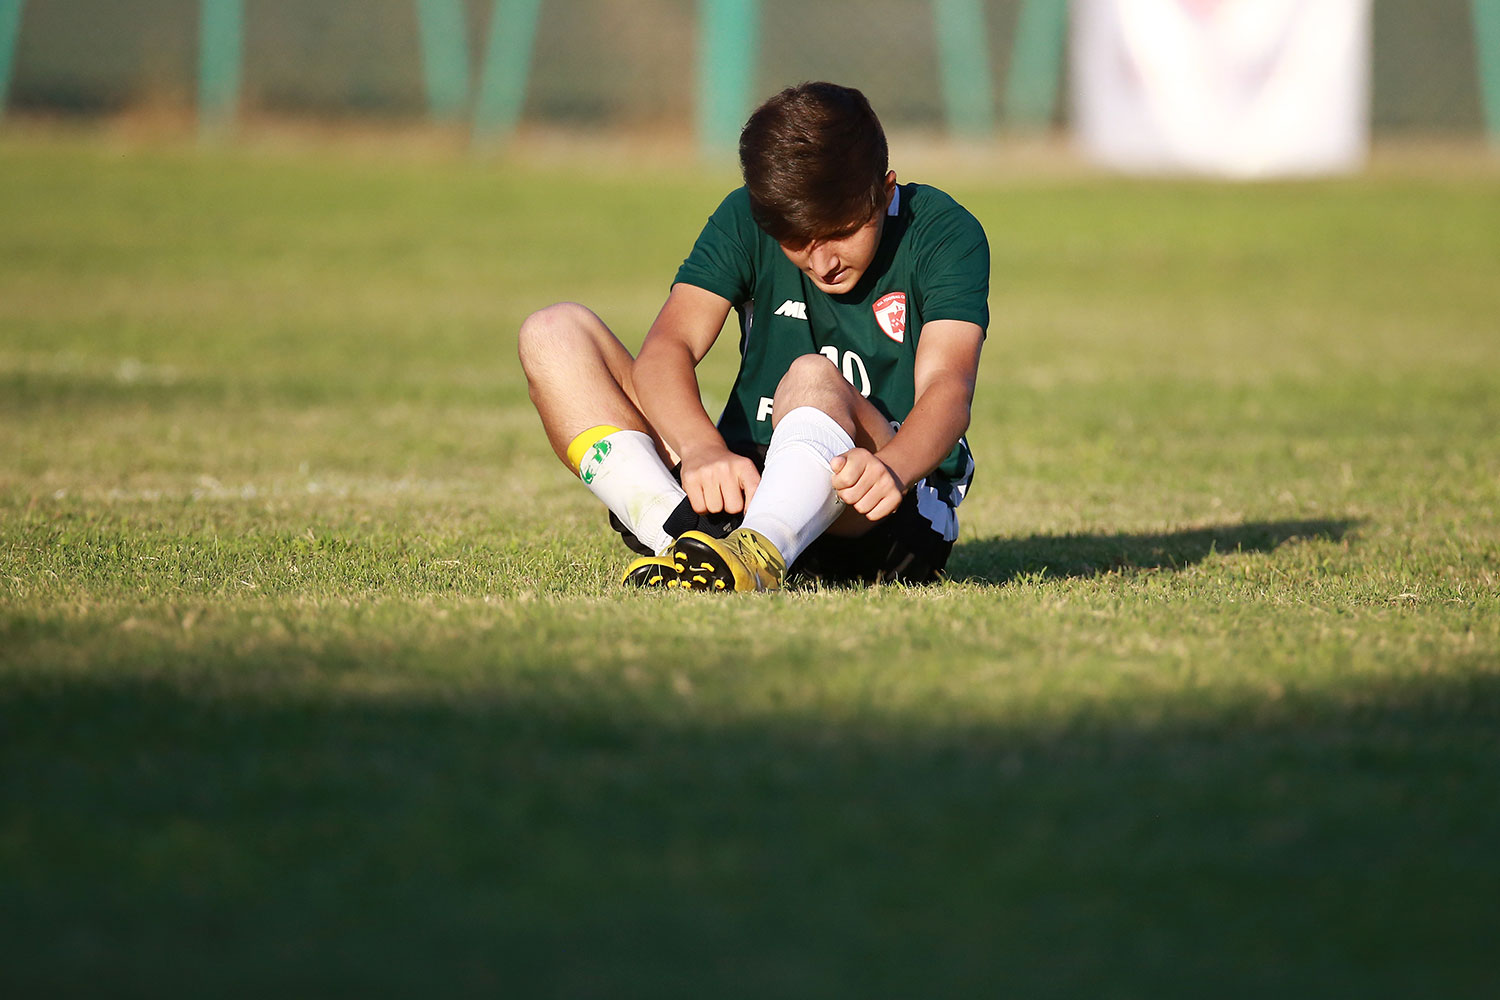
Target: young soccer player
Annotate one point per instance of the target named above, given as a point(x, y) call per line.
point(862, 306)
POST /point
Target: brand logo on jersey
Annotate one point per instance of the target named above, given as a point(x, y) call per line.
point(796, 310)
point(890, 313)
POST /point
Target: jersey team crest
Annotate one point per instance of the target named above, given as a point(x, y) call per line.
point(890, 313)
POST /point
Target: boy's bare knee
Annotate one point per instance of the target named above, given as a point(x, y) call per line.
point(810, 380)
point(807, 372)
point(817, 367)
point(557, 328)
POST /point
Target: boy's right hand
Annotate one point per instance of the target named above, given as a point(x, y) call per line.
point(717, 480)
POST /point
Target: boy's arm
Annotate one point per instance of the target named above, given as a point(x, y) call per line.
point(666, 383)
point(947, 365)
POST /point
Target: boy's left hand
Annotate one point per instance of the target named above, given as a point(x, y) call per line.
point(866, 483)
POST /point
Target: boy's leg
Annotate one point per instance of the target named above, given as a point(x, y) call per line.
point(817, 416)
point(578, 374)
point(813, 380)
point(579, 378)
point(809, 383)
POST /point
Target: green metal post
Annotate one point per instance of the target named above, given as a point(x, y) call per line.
point(507, 65)
point(10, 33)
point(1487, 51)
point(728, 42)
point(1035, 74)
point(220, 50)
point(445, 56)
point(964, 66)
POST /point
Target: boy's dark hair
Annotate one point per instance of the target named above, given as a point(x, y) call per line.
point(814, 159)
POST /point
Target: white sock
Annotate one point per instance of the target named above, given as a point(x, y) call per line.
point(634, 483)
point(795, 502)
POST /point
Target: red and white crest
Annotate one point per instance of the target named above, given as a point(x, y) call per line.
point(890, 313)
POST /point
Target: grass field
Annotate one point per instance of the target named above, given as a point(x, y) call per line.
point(314, 675)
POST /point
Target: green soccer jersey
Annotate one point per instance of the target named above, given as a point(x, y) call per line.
point(933, 263)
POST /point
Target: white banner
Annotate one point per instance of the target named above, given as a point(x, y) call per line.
point(1236, 88)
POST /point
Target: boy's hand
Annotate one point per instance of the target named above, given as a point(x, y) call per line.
point(866, 483)
point(717, 480)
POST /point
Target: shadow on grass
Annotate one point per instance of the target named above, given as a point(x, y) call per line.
point(222, 837)
point(1000, 560)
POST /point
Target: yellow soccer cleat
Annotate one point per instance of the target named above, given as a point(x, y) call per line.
point(744, 561)
point(650, 571)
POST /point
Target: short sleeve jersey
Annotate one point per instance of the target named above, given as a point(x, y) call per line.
point(932, 263)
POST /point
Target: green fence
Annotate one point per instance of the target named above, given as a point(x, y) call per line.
point(970, 66)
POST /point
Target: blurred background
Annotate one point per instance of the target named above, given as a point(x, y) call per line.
point(967, 68)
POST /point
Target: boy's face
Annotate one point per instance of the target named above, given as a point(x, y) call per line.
point(836, 263)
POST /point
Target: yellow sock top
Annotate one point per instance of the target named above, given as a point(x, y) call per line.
point(580, 445)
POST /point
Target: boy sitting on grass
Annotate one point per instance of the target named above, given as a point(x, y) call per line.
point(862, 306)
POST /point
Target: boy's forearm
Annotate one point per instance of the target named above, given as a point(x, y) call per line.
point(667, 384)
point(936, 422)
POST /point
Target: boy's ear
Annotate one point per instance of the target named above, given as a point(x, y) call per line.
point(890, 188)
